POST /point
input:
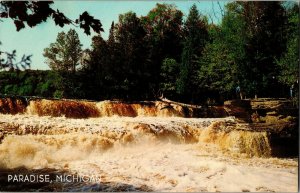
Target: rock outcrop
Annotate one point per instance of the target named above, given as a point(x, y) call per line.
point(277, 117)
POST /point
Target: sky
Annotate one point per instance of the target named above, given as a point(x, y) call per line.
point(33, 40)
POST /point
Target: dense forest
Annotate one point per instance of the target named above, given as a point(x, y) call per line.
point(253, 52)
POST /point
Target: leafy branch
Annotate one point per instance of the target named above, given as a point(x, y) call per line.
point(33, 13)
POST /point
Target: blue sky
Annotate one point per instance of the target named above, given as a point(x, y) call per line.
point(34, 40)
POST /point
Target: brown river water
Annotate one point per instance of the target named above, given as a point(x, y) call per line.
point(136, 148)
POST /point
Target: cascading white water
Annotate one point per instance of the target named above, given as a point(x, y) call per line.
point(140, 147)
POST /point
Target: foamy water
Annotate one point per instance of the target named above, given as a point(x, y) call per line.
point(147, 153)
point(169, 167)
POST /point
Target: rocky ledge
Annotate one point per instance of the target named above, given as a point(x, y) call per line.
point(278, 117)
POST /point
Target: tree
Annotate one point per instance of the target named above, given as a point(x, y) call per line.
point(223, 57)
point(98, 70)
point(245, 48)
point(195, 38)
point(163, 26)
point(266, 40)
point(130, 44)
point(74, 49)
point(289, 61)
point(169, 73)
point(112, 46)
point(65, 53)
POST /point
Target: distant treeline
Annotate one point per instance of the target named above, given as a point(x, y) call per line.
point(45, 83)
point(254, 51)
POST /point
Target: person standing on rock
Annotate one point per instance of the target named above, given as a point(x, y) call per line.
point(291, 90)
point(238, 92)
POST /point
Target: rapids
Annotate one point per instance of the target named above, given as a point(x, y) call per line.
point(87, 109)
point(137, 147)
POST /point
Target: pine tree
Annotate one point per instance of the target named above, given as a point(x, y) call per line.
point(132, 53)
point(195, 38)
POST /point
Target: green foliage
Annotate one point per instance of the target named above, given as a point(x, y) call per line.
point(266, 40)
point(195, 39)
point(217, 71)
point(43, 83)
point(289, 62)
point(255, 47)
point(244, 49)
point(8, 89)
point(65, 53)
point(224, 54)
point(43, 88)
point(58, 94)
point(169, 72)
point(98, 69)
point(26, 90)
point(163, 25)
point(130, 43)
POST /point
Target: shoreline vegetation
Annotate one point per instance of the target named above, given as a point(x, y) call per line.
point(252, 52)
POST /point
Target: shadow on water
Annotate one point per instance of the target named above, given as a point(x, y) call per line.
point(55, 184)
